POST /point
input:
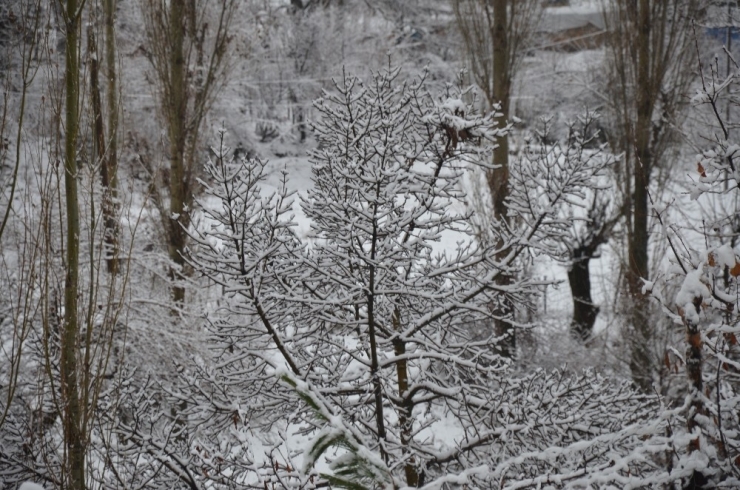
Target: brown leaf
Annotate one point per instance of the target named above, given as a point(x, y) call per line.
point(735, 271)
point(700, 169)
point(694, 445)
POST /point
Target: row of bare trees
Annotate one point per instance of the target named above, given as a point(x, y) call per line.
point(64, 247)
point(648, 48)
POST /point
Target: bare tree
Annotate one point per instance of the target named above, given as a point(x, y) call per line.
point(58, 311)
point(17, 48)
point(109, 165)
point(495, 33)
point(69, 362)
point(592, 214)
point(188, 43)
point(649, 44)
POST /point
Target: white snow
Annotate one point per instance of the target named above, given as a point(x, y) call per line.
point(692, 288)
point(726, 256)
point(30, 486)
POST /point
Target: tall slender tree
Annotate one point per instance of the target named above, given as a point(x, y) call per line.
point(188, 42)
point(74, 438)
point(495, 33)
point(109, 168)
point(649, 46)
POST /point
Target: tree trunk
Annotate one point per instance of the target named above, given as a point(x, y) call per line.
point(74, 438)
point(374, 358)
point(579, 279)
point(179, 180)
point(405, 413)
point(641, 360)
point(694, 374)
point(99, 146)
point(109, 169)
point(498, 179)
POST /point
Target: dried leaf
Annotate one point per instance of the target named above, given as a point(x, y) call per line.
point(735, 271)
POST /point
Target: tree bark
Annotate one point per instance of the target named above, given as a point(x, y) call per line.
point(74, 438)
point(179, 181)
point(99, 143)
point(498, 179)
point(405, 413)
point(579, 279)
point(641, 360)
point(109, 168)
point(374, 359)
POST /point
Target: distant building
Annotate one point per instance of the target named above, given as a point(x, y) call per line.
point(571, 29)
point(721, 20)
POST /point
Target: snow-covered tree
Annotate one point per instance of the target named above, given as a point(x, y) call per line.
point(649, 49)
point(589, 214)
point(369, 323)
point(703, 267)
point(390, 303)
point(189, 43)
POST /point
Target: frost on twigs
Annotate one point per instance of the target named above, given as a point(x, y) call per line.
point(350, 360)
point(564, 190)
point(393, 357)
point(358, 467)
point(704, 271)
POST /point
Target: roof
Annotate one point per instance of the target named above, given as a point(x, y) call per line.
point(558, 19)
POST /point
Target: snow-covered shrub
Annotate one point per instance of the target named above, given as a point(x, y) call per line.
point(266, 131)
point(704, 267)
point(347, 360)
point(369, 322)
